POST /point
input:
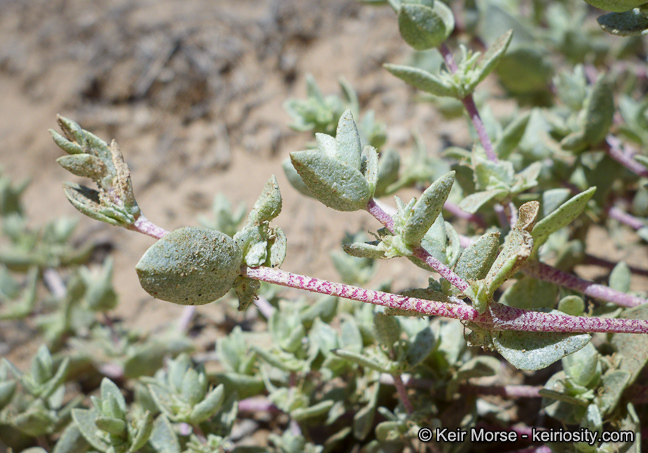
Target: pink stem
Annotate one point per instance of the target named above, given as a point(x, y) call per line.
point(505, 391)
point(460, 213)
point(596, 261)
point(402, 394)
point(625, 218)
point(419, 252)
point(185, 318)
point(551, 274)
point(257, 405)
point(145, 226)
point(471, 108)
point(615, 152)
point(498, 317)
point(375, 210)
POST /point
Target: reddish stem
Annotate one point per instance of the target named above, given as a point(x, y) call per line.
point(602, 262)
point(145, 226)
point(460, 213)
point(615, 152)
point(498, 317)
point(625, 218)
point(419, 252)
point(402, 394)
point(471, 108)
point(547, 273)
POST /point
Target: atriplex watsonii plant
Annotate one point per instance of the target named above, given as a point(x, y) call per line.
point(530, 188)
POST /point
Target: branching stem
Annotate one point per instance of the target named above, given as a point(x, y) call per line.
point(471, 108)
point(497, 317)
point(375, 210)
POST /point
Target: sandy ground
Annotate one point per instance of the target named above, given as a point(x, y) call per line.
point(193, 92)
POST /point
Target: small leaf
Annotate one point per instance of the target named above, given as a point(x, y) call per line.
point(422, 27)
point(363, 360)
point(268, 206)
point(163, 437)
point(335, 184)
point(111, 425)
point(420, 346)
point(628, 23)
point(476, 260)
point(71, 441)
point(347, 140)
point(599, 110)
point(517, 248)
point(620, 277)
point(370, 166)
point(511, 136)
point(386, 329)
point(208, 407)
point(190, 266)
point(616, 5)
point(427, 209)
point(632, 349)
point(493, 55)
point(583, 366)
point(423, 80)
point(477, 367)
point(364, 418)
point(84, 420)
point(85, 165)
point(143, 430)
point(536, 350)
point(530, 294)
point(572, 305)
point(473, 202)
point(388, 167)
point(294, 179)
point(246, 290)
point(364, 250)
point(561, 217)
point(304, 413)
point(614, 384)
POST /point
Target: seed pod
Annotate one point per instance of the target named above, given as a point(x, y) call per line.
point(190, 266)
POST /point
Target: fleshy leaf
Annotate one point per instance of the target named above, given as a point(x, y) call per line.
point(268, 205)
point(347, 140)
point(422, 80)
point(616, 5)
point(478, 257)
point(561, 217)
point(628, 23)
point(632, 350)
point(537, 350)
point(473, 202)
point(294, 179)
point(423, 27)
point(335, 184)
point(190, 266)
point(620, 277)
point(493, 55)
point(427, 209)
point(388, 167)
point(517, 248)
point(530, 294)
point(583, 366)
point(163, 437)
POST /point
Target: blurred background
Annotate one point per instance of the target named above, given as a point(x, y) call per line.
point(193, 92)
